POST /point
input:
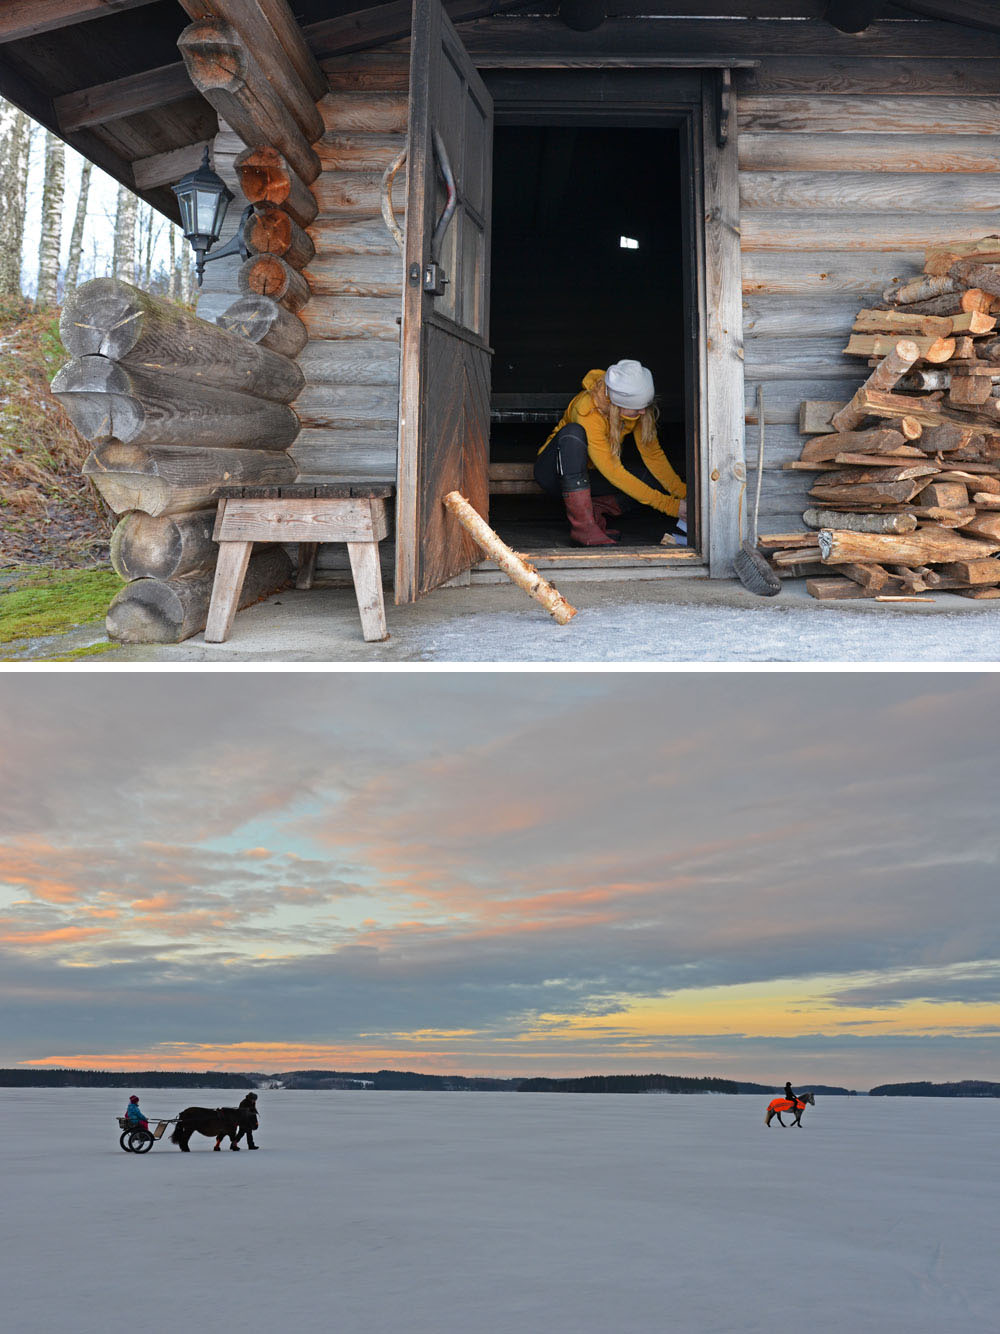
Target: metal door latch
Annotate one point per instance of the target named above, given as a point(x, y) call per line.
point(435, 279)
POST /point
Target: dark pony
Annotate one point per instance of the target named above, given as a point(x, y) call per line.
point(216, 1122)
point(778, 1105)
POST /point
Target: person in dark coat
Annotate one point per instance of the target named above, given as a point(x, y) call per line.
point(249, 1120)
point(792, 1097)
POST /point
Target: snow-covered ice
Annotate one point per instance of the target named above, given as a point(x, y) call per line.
point(492, 1213)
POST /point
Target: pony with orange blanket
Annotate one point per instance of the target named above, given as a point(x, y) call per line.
point(778, 1105)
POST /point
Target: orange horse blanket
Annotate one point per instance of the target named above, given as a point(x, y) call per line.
point(784, 1105)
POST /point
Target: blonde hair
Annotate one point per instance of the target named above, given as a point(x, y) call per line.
point(644, 429)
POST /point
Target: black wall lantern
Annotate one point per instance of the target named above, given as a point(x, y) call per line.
point(204, 198)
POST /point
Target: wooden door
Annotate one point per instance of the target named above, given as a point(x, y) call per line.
point(444, 410)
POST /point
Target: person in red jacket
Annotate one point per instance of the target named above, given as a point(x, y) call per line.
point(581, 462)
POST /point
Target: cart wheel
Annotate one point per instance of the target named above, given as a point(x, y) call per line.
point(123, 1140)
point(140, 1141)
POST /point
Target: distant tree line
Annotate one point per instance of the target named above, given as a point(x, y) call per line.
point(965, 1088)
point(150, 1079)
point(639, 1084)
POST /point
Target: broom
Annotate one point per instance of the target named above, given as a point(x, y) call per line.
point(752, 569)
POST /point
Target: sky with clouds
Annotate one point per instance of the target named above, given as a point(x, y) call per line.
point(758, 876)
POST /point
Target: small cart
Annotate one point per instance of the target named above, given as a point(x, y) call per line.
point(134, 1139)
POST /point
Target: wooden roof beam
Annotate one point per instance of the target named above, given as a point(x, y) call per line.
point(972, 13)
point(147, 91)
point(387, 23)
point(853, 15)
point(273, 34)
point(28, 18)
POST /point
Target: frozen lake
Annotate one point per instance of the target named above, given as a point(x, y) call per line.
point(489, 1213)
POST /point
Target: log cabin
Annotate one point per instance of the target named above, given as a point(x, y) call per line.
point(714, 187)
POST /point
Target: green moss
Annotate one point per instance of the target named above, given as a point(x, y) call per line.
point(47, 602)
point(88, 651)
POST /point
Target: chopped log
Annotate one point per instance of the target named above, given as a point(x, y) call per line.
point(944, 518)
point(899, 322)
point(989, 351)
point(884, 377)
point(166, 611)
point(938, 259)
point(816, 417)
point(825, 447)
point(969, 390)
point(920, 381)
point(164, 547)
point(174, 479)
point(973, 322)
point(974, 273)
point(227, 75)
point(523, 574)
point(108, 401)
point(263, 321)
point(977, 480)
point(769, 542)
point(271, 231)
point(872, 577)
point(945, 437)
point(265, 177)
point(835, 590)
point(269, 275)
point(891, 472)
point(930, 347)
point(978, 593)
point(984, 525)
point(795, 556)
point(874, 493)
point(116, 321)
point(247, 17)
point(921, 289)
point(984, 500)
point(860, 523)
point(878, 403)
point(948, 495)
point(909, 428)
point(913, 581)
point(901, 457)
point(926, 546)
point(964, 350)
point(974, 571)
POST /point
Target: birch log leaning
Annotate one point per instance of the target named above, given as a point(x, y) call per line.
point(165, 611)
point(883, 377)
point(522, 574)
point(164, 547)
point(263, 321)
point(112, 319)
point(105, 400)
point(174, 479)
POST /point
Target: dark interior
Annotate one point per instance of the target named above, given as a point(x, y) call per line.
point(567, 297)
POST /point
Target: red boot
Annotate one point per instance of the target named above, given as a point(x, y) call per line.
point(605, 508)
point(584, 527)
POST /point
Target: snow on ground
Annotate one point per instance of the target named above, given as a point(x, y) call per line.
point(492, 1213)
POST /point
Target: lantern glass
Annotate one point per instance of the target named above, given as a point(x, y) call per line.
point(203, 200)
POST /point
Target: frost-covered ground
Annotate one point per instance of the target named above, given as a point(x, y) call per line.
point(488, 1213)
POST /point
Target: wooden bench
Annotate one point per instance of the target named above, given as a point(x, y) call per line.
point(307, 513)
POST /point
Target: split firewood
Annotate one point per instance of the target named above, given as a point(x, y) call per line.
point(948, 495)
point(865, 494)
point(946, 518)
point(801, 556)
point(984, 500)
point(921, 289)
point(926, 546)
point(899, 322)
point(516, 569)
point(974, 571)
point(913, 581)
point(930, 347)
point(872, 577)
point(860, 522)
point(984, 525)
point(974, 273)
point(883, 378)
point(939, 259)
point(825, 447)
point(969, 390)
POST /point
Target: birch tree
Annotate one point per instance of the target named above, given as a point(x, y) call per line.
point(79, 223)
point(175, 277)
point(123, 263)
point(15, 145)
point(50, 241)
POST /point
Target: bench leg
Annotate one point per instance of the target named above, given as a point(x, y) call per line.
point(230, 571)
point(367, 571)
point(307, 564)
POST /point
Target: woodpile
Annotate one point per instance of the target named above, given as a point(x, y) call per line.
point(173, 406)
point(907, 493)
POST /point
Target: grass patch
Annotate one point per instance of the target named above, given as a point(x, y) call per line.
point(44, 601)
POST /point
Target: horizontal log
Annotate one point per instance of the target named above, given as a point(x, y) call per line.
point(117, 321)
point(346, 454)
point(798, 358)
point(900, 323)
point(931, 348)
point(263, 321)
point(353, 236)
point(271, 231)
point(865, 493)
point(371, 113)
point(269, 275)
point(351, 361)
point(799, 229)
point(356, 193)
point(359, 407)
point(167, 611)
point(922, 289)
point(359, 152)
point(926, 546)
point(357, 275)
point(353, 317)
point(868, 192)
point(266, 178)
point(812, 74)
point(368, 71)
point(823, 448)
point(803, 273)
point(106, 400)
point(869, 115)
point(924, 154)
point(168, 167)
point(860, 523)
point(175, 479)
point(227, 75)
point(164, 547)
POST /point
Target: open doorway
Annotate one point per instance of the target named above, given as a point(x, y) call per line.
point(589, 266)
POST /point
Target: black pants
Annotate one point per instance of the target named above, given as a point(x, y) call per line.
point(562, 467)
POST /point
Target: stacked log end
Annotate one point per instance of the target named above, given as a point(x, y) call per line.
point(907, 496)
point(173, 406)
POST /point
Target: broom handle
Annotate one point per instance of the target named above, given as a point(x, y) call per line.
point(760, 460)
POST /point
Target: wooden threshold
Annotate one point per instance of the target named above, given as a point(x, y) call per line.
point(617, 564)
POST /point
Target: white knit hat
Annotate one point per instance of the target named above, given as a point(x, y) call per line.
point(629, 385)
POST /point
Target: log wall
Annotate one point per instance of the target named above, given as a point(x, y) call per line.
point(849, 168)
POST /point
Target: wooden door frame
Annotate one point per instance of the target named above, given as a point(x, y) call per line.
point(695, 102)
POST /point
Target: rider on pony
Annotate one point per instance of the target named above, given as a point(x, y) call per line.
point(792, 1097)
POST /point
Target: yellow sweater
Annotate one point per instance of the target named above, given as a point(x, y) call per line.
point(582, 410)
